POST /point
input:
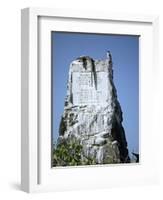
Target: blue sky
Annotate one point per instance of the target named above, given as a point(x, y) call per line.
point(125, 53)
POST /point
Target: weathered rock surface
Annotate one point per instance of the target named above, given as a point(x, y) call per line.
point(92, 113)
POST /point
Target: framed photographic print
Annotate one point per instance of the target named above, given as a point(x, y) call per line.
point(88, 85)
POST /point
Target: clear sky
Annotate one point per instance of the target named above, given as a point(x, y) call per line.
point(125, 53)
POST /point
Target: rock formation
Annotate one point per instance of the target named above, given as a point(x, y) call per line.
point(92, 113)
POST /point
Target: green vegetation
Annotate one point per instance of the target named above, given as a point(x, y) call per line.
point(70, 154)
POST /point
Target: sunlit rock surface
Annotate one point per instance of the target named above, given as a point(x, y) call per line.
point(92, 113)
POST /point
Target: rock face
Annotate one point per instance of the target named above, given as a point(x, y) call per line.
point(92, 113)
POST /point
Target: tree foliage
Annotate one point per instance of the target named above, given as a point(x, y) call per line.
point(70, 154)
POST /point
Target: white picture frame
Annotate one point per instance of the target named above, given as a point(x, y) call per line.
point(36, 171)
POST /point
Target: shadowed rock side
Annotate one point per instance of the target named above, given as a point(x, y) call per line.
point(92, 113)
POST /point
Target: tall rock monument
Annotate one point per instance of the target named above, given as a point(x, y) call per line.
point(92, 114)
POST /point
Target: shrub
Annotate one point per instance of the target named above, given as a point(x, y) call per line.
point(70, 154)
